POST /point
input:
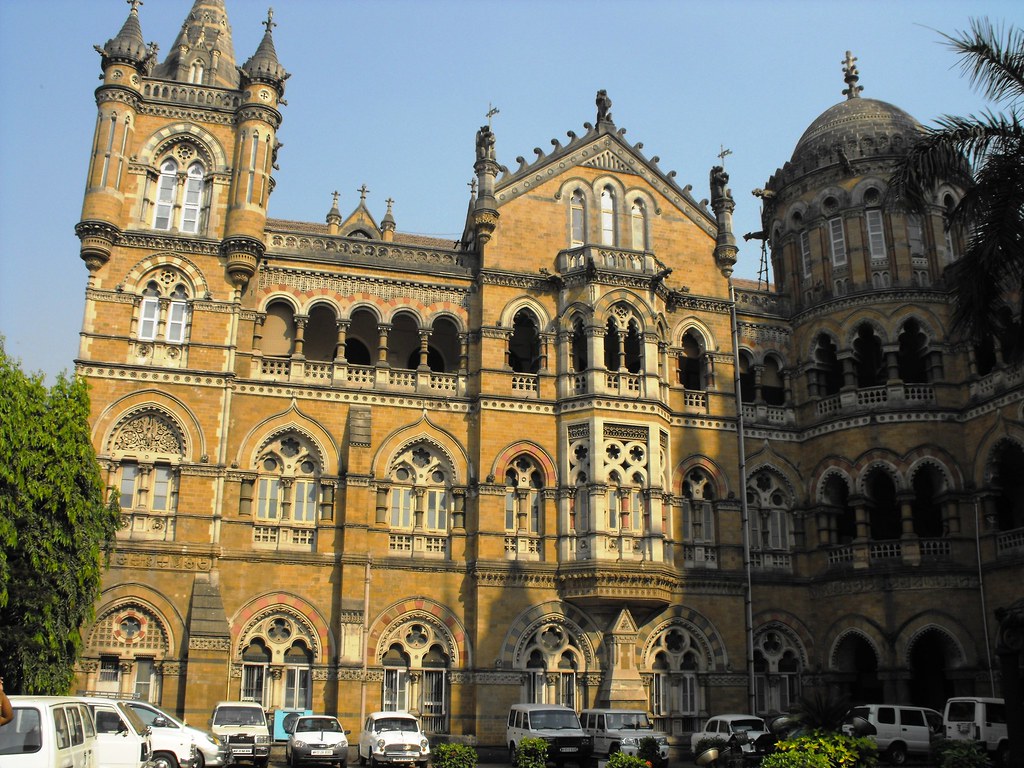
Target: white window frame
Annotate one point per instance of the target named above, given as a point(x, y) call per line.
point(707, 521)
point(177, 321)
point(254, 682)
point(638, 220)
point(298, 686)
point(607, 217)
point(395, 690)
point(876, 233)
point(164, 496)
point(149, 317)
point(305, 498)
point(805, 252)
point(268, 503)
point(129, 485)
point(166, 189)
point(915, 235)
point(192, 199)
point(837, 241)
point(402, 506)
point(577, 219)
point(437, 502)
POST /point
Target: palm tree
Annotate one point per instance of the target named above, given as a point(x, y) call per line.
point(984, 156)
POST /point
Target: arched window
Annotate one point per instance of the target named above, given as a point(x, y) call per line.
point(949, 204)
point(177, 315)
point(164, 309)
point(523, 485)
point(283, 641)
point(638, 222)
point(675, 661)
point(1006, 468)
point(580, 353)
point(192, 201)
point(149, 311)
point(195, 72)
point(421, 498)
point(776, 671)
point(868, 359)
point(577, 219)
point(827, 374)
point(524, 343)
point(288, 491)
point(554, 663)
point(929, 484)
point(883, 506)
point(773, 388)
point(298, 677)
point(166, 187)
point(255, 662)
point(770, 523)
point(913, 353)
point(691, 363)
point(626, 508)
point(747, 378)
point(607, 217)
point(876, 234)
point(698, 510)
point(417, 647)
point(147, 450)
point(835, 497)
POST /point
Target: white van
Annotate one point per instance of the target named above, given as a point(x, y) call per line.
point(622, 730)
point(122, 739)
point(557, 725)
point(242, 725)
point(981, 719)
point(899, 731)
point(48, 732)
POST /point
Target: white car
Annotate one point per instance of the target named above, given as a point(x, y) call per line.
point(393, 738)
point(172, 736)
point(744, 730)
point(316, 739)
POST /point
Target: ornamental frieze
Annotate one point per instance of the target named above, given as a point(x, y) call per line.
point(350, 617)
point(873, 299)
point(148, 374)
point(172, 668)
point(289, 390)
point(686, 302)
point(259, 112)
point(514, 280)
point(119, 95)
point(161, 562)
point(504, 578)
point(370, 250)
point(110, 297)
point(874, 584)
point(170, 243)
point(315, 282)
point(148, 434)
point(485, 679)
point(187, 115)
point(214, 644)
point(764, 333)
point(202, 470)
point(350, 674)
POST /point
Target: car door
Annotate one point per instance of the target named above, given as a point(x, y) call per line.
point(116, 744)
point(167, 734)
point(914, 730)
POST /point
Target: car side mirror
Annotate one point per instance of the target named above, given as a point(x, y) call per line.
point(347, 731)
point(160, 722)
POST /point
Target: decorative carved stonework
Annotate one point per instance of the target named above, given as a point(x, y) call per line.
point(221, 644)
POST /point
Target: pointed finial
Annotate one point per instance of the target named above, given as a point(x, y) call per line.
point(851, 76)
point(135, 6)
point(335, 196)
point(472, 187)
point(491, 112)
point(269, 23)
point(723, 154)
point(390, 202)
point(362, 193)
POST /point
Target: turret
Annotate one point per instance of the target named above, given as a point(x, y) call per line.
point(334, 216)
point(202, 53)
point(387, 224)
point(723, 205)
point(485, 210)
point(125, 59)
point(257, 120)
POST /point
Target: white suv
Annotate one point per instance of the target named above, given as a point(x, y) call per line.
point(393, 738)
point(243, 726)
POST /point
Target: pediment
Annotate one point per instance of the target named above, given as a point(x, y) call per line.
point(605, 150)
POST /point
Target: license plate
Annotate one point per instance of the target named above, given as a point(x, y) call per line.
point(321, 751)
point(568, 749)
point(242, 751)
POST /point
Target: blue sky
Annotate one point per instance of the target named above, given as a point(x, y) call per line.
point(390, 93)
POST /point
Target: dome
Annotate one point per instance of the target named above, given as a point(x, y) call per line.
point(862, 127)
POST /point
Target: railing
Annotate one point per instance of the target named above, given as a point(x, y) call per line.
point(886, 550)
point(192, 94)
point(579, 383)
point(829, 405)
point(772, 561)
point(919, 393)
point(936, 549)
point(1010, 543)
point(525, 382)
point(444, 382)
point(700, 555)
point(319, 372)
point(839, 556)
point(402, 379)
point(872, 396)
point(695, 399)
point(275, 366)
point(360, 375)
point(434, 724)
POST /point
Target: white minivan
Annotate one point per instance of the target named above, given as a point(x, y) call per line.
point(122, 739)
point(981, 719)
point(899, 731)
point(48, 732)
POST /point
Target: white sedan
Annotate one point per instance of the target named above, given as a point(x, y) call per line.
point(317, 739)
point(743, 730)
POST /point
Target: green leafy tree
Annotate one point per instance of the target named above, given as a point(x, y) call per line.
point(983, 155)
point(54, 528)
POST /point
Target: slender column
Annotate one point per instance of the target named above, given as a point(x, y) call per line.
point(382, 344)
point(906, 501)
point(860, 510)
point(257, 333)
point(758, 384)
point(892, 365)
point(300, 337)
point(342, 340)
point(424, 351)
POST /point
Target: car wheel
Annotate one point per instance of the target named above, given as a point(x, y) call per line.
point(373, 762)
point(200, 761)
point(1002, 756)
point(261, 762)
point(613, 749)
point(512, 752)
point(163, 760)
point(362, 760)
point(896, 754)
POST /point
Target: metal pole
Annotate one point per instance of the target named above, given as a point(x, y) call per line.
point(981, 590)
point(744, 510)
point(365, 636)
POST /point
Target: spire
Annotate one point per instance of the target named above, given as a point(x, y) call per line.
point(263, 66)
point(127, 46)
point(203, 52)
point(851, 76)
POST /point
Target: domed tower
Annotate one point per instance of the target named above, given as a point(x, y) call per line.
point(257, 120)
point(125, 60)
point(825, 212)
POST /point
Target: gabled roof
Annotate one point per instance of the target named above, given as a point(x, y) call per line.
point(604, 147)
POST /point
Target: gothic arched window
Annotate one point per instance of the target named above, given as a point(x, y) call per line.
point(524, 343)
point(769, 506)
point(777, 670)
point(638, 222)
point(421, 497)
point(523, 485)
point(577, 219)
point(607, 216)
point(675, 662)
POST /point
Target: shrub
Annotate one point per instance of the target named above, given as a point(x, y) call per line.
point(958, 753)
point(454, 756)
point(531, 753)
point(622, 760)
point(648, 750)
point(837, 750)
point(708, 742)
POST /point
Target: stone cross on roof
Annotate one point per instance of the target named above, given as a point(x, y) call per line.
point(851, 76)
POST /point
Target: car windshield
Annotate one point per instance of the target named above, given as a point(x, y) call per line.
point(742, 726)
point(395, 724)
point(318, 724)
point(633, 721)
point(553, 719)
point(238, 716)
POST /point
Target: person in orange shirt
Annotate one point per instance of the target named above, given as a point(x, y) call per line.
point(6, 713)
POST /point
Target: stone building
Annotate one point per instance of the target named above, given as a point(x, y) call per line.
point(366, 470)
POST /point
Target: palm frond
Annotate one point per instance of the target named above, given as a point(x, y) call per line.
point(992, 59)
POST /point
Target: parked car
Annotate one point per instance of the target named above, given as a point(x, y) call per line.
point(242, 725)
point(48, 732)
point(749, 732)
point(981, 719)
point(559, 726)
point(172, 736)
point(316, 739)
point(899, 731)
point(622, 730)
point(393, 738)
point(122, 739)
